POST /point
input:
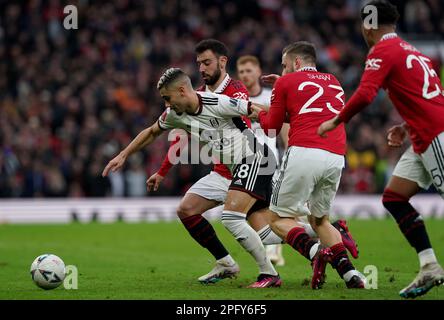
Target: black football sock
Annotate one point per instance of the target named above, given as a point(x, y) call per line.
point(300, 241)
point(340, 260)
point(202, 231)
point(409, 221)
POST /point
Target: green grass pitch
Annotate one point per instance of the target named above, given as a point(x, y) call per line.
point(161, 261)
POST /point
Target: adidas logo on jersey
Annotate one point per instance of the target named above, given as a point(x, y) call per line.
point(238, 181)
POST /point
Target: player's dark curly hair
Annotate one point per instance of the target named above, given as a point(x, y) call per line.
point(387, 13)
point(218, 48)
point(169, 76)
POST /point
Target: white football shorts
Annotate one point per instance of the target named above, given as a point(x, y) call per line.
point(212, 187)
point(306, 176)
point(425, 169)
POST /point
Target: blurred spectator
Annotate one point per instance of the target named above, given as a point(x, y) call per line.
point(136, 178)
point(71, 99)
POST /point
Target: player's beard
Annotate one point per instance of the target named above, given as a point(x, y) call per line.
point(214, 78)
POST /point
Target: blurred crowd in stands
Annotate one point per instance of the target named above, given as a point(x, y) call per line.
point(71, 99)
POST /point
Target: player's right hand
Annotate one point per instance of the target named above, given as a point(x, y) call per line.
point(153, 182)
point(115, 164)
point(327, 126)
point(396, 136)
point(270, 79)
point(255, 110)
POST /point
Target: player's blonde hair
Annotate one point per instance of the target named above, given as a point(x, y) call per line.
point(248, 58)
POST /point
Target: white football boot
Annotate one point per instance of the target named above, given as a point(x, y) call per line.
point(429, 276)
point(220, 271)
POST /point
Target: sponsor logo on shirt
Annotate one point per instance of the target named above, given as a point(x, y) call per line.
point(238, 182)
point(240, 95)
point(373, 64)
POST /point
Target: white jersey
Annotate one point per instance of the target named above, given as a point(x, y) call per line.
point(263, 98)
point(216, 124)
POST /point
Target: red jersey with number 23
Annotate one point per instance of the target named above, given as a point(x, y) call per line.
point(308, 98)
point(412, 84)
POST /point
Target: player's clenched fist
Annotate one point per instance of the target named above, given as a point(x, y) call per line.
point(396, 135)
point(115, 164)
point(154, 182)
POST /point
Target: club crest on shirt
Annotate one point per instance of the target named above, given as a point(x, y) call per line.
point(214, 123)
point(234, 102)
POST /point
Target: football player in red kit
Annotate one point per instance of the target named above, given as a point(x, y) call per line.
point(311, 168)
point(416, 92)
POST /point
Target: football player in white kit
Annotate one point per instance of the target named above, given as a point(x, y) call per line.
point(211, 190)
point(215, 121)
point(249, 72)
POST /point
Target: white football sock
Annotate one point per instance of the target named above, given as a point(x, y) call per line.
point(426, 256)
point(227, 260)
point(313, 250)
point(308, 229)
point(236, 223)
point(349, 274)
point(268, 236)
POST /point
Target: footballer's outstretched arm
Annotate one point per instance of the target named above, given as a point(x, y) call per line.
point(377, 69)
point(143, 139)
point(173, 153)
point(272, 121)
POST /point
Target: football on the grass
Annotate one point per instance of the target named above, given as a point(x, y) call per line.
point(48, 271)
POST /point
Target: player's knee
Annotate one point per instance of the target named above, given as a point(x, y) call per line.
point(276, 225)
point(317, 222)
point(389, 197)
point(398, 206)
point(185, 210)
point(234, 205)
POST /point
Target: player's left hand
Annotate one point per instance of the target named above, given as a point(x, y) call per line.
point(327, 126)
